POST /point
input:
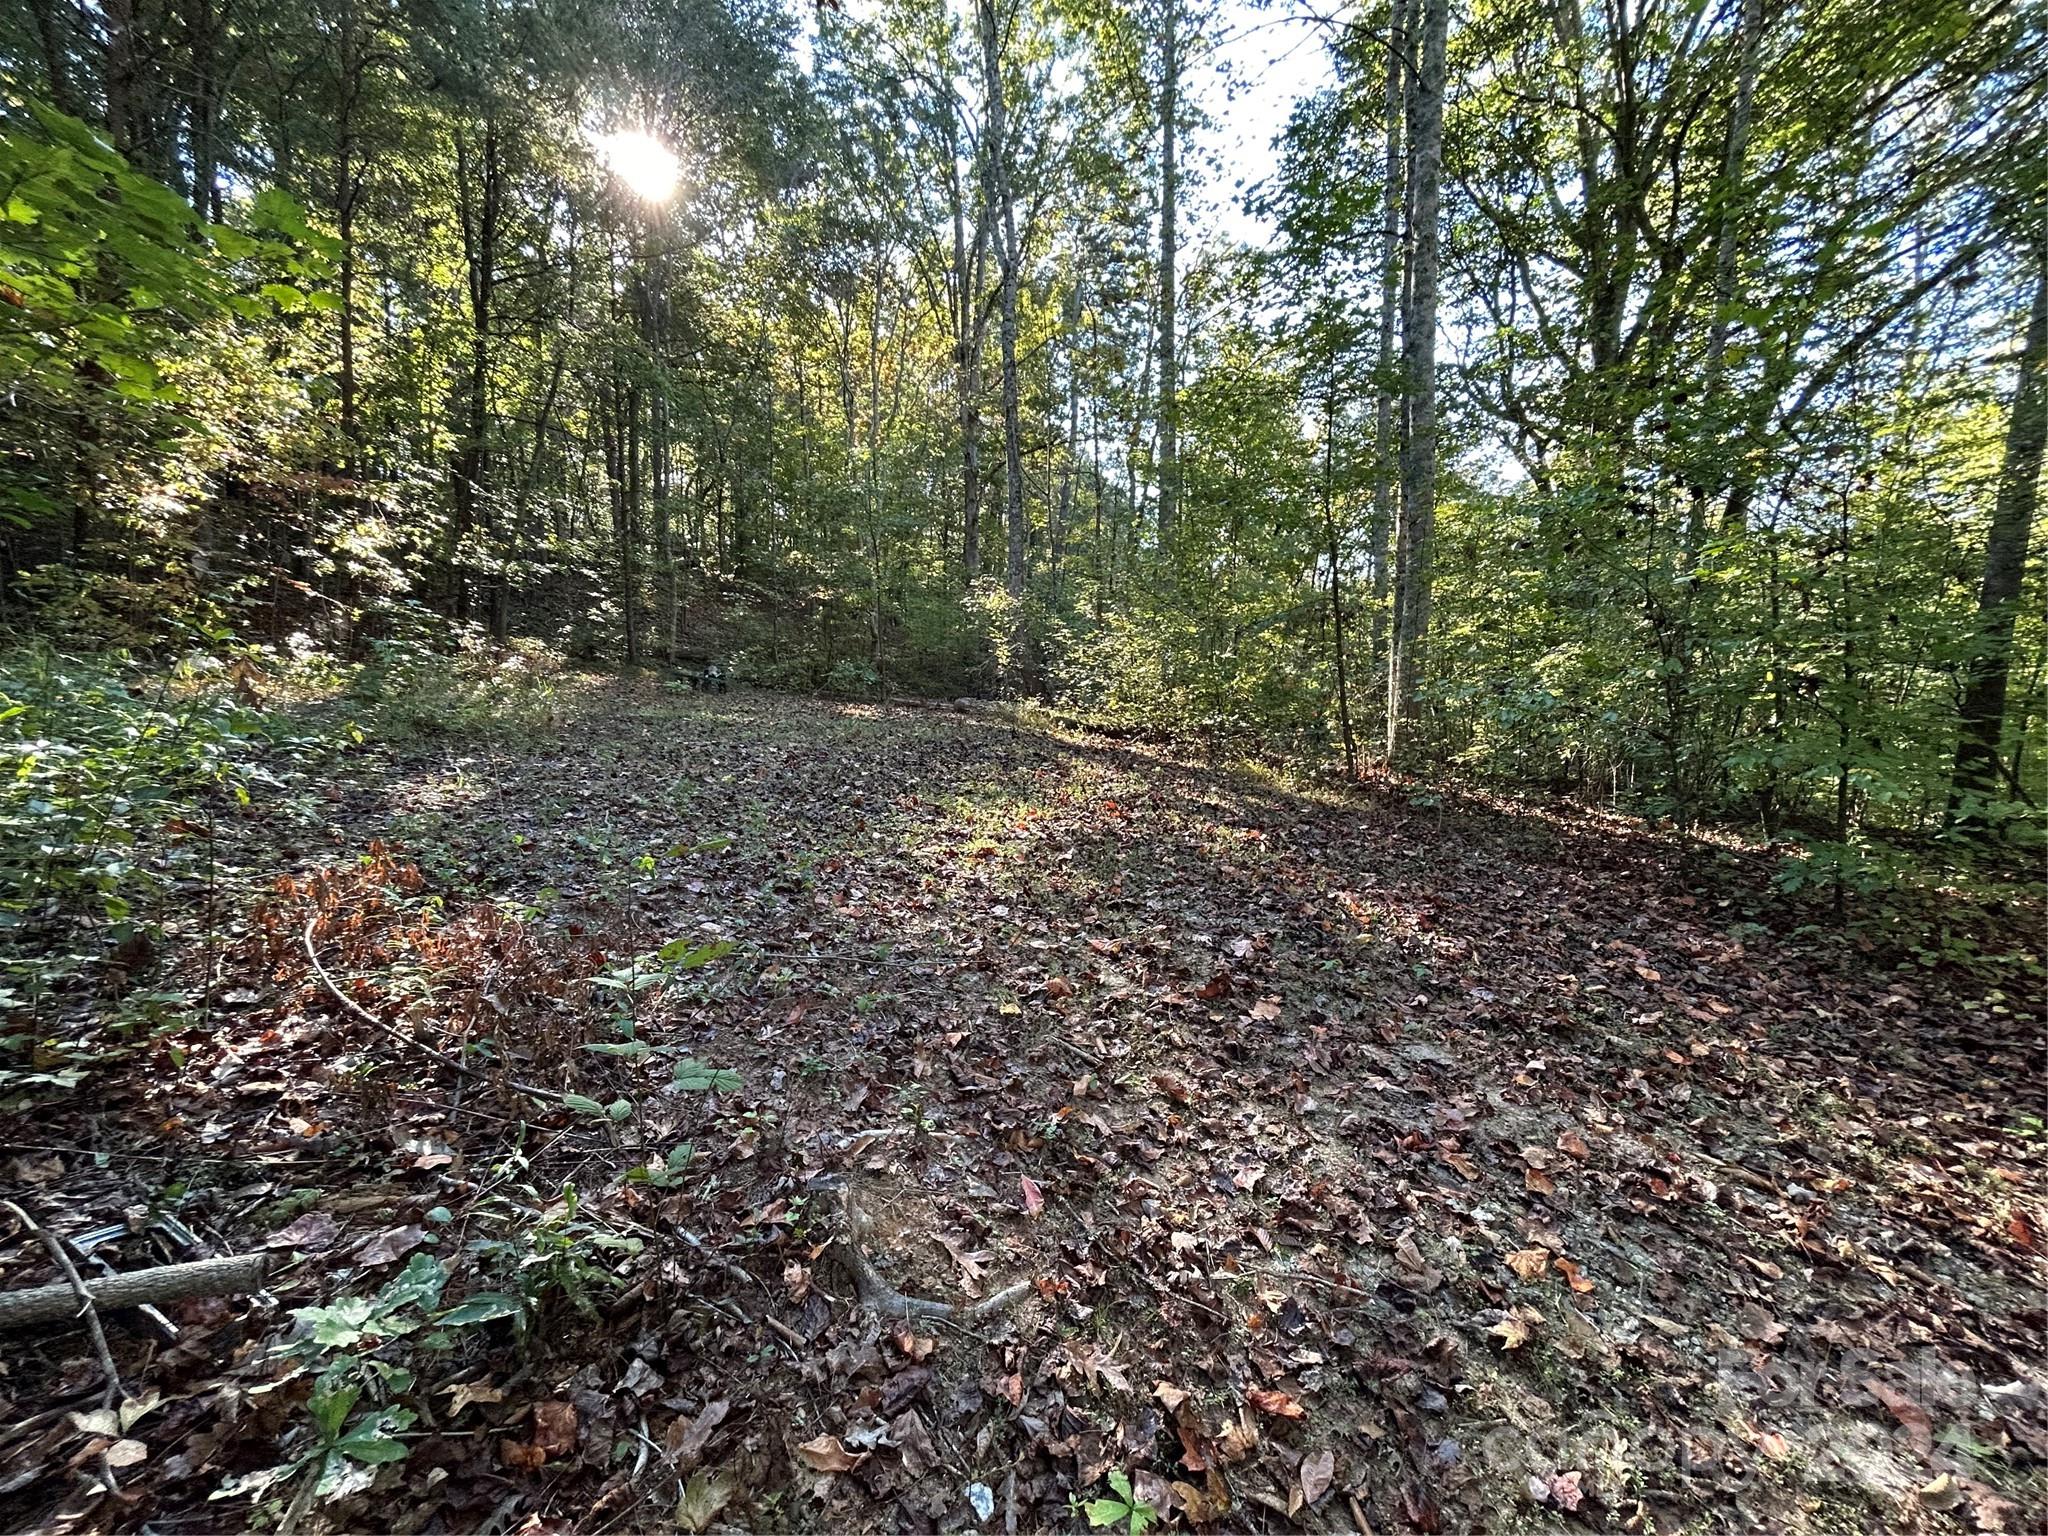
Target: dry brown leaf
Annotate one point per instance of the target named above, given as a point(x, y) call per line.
point(554, 1427)
point(1277, 1403)
point(826, 1454)
point(1517, 1328)
point(687, 1438)
point(1317, 1468)
point(910, 1344)
point(1911, 1416)
point(1529, 1263)
point(1572, 1277)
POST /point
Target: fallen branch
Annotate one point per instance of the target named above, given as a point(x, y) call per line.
point(232, 1276)
point(73, 1289)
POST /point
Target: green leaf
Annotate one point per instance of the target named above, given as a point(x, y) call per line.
point(698, 1078)
point(1101, 1512)
point(483, 1307)
point(685, 956)
point(329, 1407)
point(584, 1105)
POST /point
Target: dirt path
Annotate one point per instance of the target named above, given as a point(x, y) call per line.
point(1429, 1166)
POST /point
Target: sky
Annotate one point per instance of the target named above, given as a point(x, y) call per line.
point(1268, 58)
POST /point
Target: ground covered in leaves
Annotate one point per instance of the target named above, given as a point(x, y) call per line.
point(1373, 1161)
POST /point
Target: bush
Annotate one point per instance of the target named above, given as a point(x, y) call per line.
point(110, 767)
point(852, 679)
point(416, 691)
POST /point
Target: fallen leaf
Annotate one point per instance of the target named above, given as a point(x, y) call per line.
point(1278, 1404)
point(1517, 1328)
point(1538, 1182)
point(1529, 1263)
point(826, 1454)
point(1572, 1144)
point(1170, 1397)
point(1565, 1491)
point(1034, 1198)
point(126, 1453)
point(971, 1263)
point(1572, 1277)
point(914, 1441)
point(687, 1438)
point(314, 1232)
point(1317, 1468)
point(463, 1393)
point(910, 1344)
point(1463, 1164)
point(1058, 987)
point(1773, 1445)
point(1911, 1416)
point(554, 1427)
point(1203, 1506)
point(704, 1495)
point(389, 1246)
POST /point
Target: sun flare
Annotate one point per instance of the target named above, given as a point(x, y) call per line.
point(645, 164)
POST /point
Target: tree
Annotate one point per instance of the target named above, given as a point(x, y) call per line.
point(1415, 549)
point(1980, 773)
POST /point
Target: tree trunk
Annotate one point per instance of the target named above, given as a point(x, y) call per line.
point(344, 217)
point(1386, 448)
point(1169, 289)
point(480, 230)
point(996, 167)
point(1417, 535)
point(1337, 576)
point(1979, 763)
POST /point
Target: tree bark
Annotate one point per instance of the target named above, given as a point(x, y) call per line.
point(996, 167)
point(1386, 447)
point(1169, 282)
point(1417, 535)
point(1978, 766)
point(143, 1287)
point(1337, 576)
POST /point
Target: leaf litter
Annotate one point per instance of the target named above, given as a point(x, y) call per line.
point(1365, 1163)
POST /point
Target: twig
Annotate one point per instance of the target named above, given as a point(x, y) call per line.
point(1088, 1056)
point(357, 1010)
point(86, 1310)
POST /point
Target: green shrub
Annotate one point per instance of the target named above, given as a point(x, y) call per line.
point(414, 690)
point(107, 766)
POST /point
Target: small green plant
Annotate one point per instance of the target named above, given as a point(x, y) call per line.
point(664, 1172)
point(1126, 1508)
point(342, 1447)
point(561, 1258)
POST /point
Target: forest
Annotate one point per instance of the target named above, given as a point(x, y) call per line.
point(1023, 764)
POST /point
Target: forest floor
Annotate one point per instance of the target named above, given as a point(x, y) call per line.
point(1383, 1161)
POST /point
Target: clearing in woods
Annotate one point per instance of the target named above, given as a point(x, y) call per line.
point(1364, 1161)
